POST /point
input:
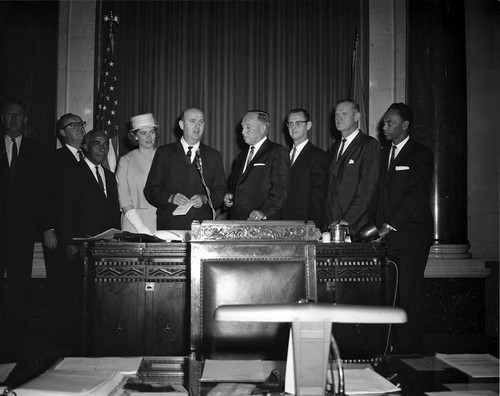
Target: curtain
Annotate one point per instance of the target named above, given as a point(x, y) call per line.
point(227, 57)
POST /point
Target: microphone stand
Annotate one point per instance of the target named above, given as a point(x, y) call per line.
point(199, 166)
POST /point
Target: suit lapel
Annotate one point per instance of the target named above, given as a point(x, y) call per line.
point(302, 155)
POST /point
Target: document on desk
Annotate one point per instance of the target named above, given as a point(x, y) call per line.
point(71, 382)
point(426, 363)
point(124, 365)
point(233, 371)
point(463, 393)
point(182, 209)
point(364, 382)
point(476, 365)
point(5, 370)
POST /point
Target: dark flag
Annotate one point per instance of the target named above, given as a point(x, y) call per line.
point(107, 108)
point(356, 88)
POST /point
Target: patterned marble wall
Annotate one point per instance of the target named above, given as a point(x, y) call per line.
point(75, 82)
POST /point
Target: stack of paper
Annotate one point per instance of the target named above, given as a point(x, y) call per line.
point(476, 365)
point(124, 365)
point(71, 382)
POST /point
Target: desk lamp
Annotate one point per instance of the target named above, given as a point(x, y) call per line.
point(312, 334)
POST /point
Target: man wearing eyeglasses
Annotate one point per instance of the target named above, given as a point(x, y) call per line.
point(24, 215)
point(70, 130)
point(261, 175)
point(308, 175)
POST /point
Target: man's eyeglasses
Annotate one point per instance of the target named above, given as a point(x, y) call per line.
point(297, 124)
point(80, 124)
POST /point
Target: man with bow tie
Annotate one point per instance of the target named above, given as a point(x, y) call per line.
point(353, 171)
point(259, 182)
point(404, 217)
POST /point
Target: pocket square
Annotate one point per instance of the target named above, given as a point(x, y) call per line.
point(400, 168)
point(351, 161)
point(259, 164)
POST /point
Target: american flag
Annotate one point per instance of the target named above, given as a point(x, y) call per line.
point(107, 115)
point(356, 90)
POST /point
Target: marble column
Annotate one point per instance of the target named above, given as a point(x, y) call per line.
point(437, 93)
point(75, 75)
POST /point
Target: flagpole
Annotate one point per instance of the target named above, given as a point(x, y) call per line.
point(107, 117)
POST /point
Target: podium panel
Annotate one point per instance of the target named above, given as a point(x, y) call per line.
point(354, 273)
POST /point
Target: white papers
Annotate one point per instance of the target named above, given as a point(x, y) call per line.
point(233, 371)
point(463, 393)
point(71, 382)
point(182, 209)
point(363, 382)
point(125, 365)
point(479, 365)
point(426, 363)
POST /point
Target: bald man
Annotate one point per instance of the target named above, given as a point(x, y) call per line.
point(175, 177)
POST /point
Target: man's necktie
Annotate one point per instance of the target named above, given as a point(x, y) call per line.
point(294, 151)
point(249, 158)
point(339, 154)
point(80, 155)
point(188, 154)
point(393, 155)
point(99, 178)
point(13, 159)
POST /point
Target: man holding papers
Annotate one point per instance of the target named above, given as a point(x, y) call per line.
point(174, 182)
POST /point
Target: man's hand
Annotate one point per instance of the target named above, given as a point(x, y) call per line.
point(71, 252)
point(257, 215)
point(198, 200)
point(50, 239)
point(228, 200)
point(180, 199)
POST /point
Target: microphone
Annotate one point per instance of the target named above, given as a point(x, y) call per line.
point(199, 166)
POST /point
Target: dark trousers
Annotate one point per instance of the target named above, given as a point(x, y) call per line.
point(411, 262)
point(16, 261)
point(64, 286)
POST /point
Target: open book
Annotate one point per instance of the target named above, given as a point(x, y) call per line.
point(105, 235)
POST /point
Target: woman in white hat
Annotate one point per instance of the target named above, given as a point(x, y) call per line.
point(139, 216)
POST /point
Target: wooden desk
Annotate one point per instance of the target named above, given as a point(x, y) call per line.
point(136, 296)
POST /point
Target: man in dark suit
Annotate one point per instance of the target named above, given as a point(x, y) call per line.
point(404, 217)
point(353, 163)
point(24, 214)
point(87, 195)
point(71, 131)
point(261, 175)
point(306, 197)
point(175, 178)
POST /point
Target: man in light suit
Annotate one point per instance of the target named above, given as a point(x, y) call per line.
point(175, 176)
point(404, 217)
point(305, 200)
point(259, 182)
point(25, 166)
point(353, 171)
